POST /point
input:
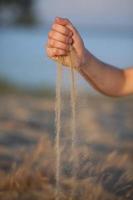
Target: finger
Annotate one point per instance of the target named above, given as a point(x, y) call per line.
point(58, 36)
point(51, 52)
point(56, 44)
point(61, 21)
point(67, 23)
point(61, 29)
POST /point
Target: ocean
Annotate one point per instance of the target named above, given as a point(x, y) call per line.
point(24, 62)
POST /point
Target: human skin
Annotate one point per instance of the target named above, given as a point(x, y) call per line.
point(107, 79)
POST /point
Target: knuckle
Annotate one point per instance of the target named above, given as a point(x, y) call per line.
point(60, 37)
point(54, 26)
point(55, 51)
point(51, 43)
point(60, 45)
point(50, 34)
point(56, 36)
point(63, 39)
point(53, 34)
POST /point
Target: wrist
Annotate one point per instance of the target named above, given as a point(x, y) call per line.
point(86, 59)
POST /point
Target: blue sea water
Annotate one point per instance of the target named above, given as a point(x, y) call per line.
point(23, 59)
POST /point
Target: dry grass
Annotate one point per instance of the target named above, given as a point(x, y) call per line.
point(103, 150)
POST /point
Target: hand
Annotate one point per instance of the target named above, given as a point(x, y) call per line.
point(64, 39)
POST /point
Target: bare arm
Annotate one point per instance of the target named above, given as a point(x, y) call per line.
point(106, 78)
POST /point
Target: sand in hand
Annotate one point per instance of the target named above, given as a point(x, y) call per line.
point(58, 104)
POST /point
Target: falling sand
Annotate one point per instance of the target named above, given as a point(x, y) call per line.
point(73, 122)
point(58, 126)
point(58, 122)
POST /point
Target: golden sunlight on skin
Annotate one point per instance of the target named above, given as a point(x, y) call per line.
point(128, 87)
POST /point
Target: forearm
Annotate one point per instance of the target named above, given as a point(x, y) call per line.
point(107, 79)
point(104, 77)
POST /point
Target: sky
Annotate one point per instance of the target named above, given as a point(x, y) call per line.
point(88, 12)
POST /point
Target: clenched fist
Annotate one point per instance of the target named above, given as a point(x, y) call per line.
point(63, 38)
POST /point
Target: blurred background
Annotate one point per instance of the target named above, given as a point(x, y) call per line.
point(27, 98)
point(106, 27)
